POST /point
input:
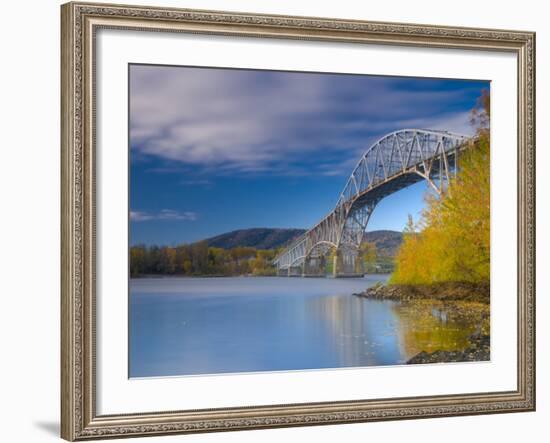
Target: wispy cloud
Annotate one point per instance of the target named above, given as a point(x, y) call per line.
point(163, 214)
point(248, 122)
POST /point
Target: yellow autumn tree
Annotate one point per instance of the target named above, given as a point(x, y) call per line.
point(453, 238)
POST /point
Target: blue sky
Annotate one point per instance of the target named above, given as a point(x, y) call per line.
point(214, 150)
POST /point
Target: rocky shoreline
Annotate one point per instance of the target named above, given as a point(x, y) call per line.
point(459, 300)
point(479, 350)
point(451, 291)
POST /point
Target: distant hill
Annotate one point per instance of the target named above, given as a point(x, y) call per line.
point(259, 238)
point(387, 242)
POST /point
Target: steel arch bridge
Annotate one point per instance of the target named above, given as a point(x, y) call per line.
point(394, 162)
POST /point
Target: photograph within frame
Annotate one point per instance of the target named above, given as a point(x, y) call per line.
point(215, 152)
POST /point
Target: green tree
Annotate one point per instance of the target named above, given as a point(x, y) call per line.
point(261, 264)
point(368, 254)
point(137, 260)
point(410, 227)
point(199, 257)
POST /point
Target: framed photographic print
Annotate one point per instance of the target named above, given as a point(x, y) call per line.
point(283, 221)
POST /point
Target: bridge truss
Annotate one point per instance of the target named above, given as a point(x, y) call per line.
point(395, 161)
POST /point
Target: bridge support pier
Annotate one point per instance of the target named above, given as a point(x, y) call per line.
point(295, 271)
point(347, 263)
point(314, 267)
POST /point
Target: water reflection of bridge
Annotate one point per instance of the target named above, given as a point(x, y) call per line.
point(358, 332)
point(394, 162)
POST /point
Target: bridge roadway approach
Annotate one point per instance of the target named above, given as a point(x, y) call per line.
point(395, 161)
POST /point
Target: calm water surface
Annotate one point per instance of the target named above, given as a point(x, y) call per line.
point(183, 326)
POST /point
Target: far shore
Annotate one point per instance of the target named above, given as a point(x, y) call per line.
point(136, 277)
point(195, 276)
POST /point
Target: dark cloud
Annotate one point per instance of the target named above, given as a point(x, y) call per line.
point(239, 121)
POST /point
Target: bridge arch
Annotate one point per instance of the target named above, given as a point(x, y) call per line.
point(395, 161)
point(320, 244)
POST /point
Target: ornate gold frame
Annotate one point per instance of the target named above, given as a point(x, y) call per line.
point(79, 420)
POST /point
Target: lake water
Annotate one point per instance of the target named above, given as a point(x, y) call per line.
point(183, 326)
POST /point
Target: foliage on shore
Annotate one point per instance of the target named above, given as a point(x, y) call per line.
point(452, 240)
point(198, 259)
